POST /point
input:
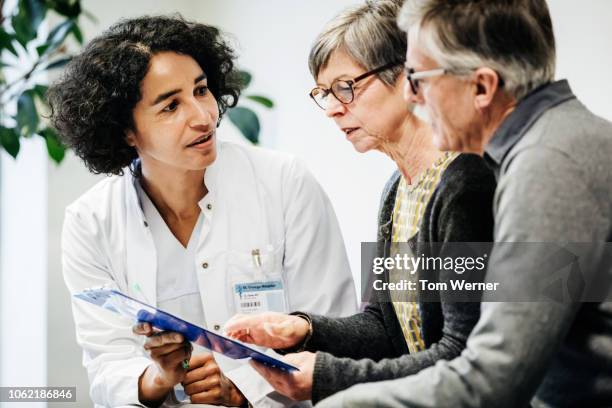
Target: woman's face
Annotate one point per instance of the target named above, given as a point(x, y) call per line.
point(176, 118)
point(377, 112)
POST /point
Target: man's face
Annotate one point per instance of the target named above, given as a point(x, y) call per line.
point(448, 100)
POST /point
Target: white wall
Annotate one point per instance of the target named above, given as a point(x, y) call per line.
point(583, 32)
point(23, 267)
point(273, 38)
point(23, 260)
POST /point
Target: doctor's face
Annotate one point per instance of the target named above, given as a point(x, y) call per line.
point(176, 118)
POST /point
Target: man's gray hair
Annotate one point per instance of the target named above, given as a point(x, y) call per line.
point(368, 34)
point(513, 37)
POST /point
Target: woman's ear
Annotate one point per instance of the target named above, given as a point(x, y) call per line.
point(130, 138)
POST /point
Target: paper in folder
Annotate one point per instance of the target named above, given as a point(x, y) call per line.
point(124, 305)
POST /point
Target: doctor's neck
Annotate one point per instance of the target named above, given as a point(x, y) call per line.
point(175, 192)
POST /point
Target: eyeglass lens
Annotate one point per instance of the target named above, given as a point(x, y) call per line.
point(342, 90)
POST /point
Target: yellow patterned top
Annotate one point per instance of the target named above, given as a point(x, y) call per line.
point(410, 203)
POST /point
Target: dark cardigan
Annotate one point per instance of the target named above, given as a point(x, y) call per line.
point(370, 345)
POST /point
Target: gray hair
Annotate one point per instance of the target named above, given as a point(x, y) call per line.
point(513, 37)
point(368, 34)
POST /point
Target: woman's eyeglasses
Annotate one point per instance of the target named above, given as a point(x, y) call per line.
point(342, 89)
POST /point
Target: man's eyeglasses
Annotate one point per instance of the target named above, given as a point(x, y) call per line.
point(342, 89)
point(414, 77)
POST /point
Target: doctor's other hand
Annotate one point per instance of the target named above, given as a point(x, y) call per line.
point(269, 329)
point(168, 350)
point(205, 383)
point(296, 385)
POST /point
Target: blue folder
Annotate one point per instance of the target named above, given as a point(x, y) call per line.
point(124, 305)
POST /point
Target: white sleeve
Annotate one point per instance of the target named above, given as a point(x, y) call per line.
point(112, 354)
point(316, 269)
point(316, 266)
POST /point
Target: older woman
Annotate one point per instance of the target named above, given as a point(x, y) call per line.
point(434, 197)
point(185, 219)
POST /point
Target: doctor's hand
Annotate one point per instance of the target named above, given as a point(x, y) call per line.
point(168, 350)
point(296, 385)
point(206, 384)
point(269, 329)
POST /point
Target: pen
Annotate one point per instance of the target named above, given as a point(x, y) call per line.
point(139, 290)
point(256, 257)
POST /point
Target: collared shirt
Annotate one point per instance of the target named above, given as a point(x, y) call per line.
point(520, 120)
point(177, 278)
point(410, 204)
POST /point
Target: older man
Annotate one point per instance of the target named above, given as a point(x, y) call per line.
point(484, 72)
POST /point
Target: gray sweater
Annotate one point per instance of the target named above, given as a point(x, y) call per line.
point(552, 158)
point(370, 346)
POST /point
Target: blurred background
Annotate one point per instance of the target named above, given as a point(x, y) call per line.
point(272, 39)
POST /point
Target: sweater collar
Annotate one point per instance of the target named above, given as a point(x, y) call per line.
point(526, 113)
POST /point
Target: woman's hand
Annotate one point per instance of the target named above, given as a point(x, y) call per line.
point(168, 350)
point(270, 329)
point(296, 385)
point(205, 383)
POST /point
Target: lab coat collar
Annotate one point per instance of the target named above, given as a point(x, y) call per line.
point(141, 266)
point(211, 174)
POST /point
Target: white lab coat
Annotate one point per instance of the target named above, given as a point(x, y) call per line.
point(258, 199)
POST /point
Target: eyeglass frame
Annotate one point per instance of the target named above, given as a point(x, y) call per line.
point(412, 76)
point(350, 83)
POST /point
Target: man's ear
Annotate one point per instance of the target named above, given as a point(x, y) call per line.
point(487, 84)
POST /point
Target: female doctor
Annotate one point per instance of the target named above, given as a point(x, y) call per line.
point(185, 220)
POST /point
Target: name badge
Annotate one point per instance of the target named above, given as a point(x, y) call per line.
point(259, 296)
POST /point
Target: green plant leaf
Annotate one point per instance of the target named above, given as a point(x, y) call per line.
point(60, 31)
point(10, 141)
point(40, 50)
point(261, 100)
point(23, 29)
point(246, 121)
point(27, 117)
point(27, 20)
point(78, 35)
point(56, 37)
point(40, 91)
point(6, 42)
point(245, 78)
point(35, 10)
point(58, 63)
point(55, 148)
point(68, 8)
point(90, 16)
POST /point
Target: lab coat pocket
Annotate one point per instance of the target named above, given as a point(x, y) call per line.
point(255, 280)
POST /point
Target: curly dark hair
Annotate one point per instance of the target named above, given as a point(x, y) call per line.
point(92, 103)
